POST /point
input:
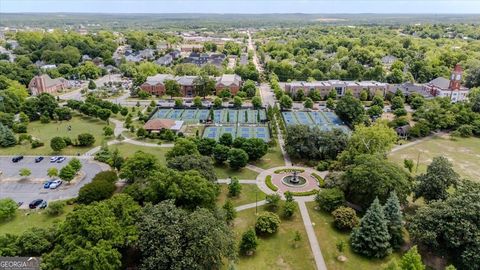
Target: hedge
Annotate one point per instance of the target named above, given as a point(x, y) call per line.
point(305, 193)
point(289, 170)
point(321, 182)
point(268, 182)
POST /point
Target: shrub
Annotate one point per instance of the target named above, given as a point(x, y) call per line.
point(289, 209)
point(345, 218)
point(288, 170)
point(304, 193)
point(270, 185)
point(96, 191)
point(85, 139)
point(272, 201)
point(19, 128)
point(249, 242)
point(36, 144)
point(323, 165)
point(8, 207)
point(321, 182)
point(465, 131)
point(330, 199)
point(109, 176)
point(267, 223)
point(57, 144)
point(55, 208)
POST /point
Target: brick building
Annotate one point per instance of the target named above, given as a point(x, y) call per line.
point(45, 84)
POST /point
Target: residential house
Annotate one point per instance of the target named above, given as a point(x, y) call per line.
point(175, 54)
point(164, 60)
point(191, 48)
point(155, 84)
point(45, 84)
point(388, 60)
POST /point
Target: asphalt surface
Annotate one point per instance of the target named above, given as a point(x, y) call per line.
point(31, 188)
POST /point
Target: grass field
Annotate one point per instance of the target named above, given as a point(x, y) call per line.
point(45, 132)
point(26, 219)
point(273, 158)
point(224, 172)
point(328, 237)
point(127, 150)
point(464, 153)
point(276, 251)
point(247, 195)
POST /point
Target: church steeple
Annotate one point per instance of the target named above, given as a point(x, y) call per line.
point(456, 78)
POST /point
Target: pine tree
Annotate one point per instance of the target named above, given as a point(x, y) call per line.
point(7, 138)
point(394, 218)
point(412, 260)
point(371, 238)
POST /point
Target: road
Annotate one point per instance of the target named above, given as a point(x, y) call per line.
point(32, 188)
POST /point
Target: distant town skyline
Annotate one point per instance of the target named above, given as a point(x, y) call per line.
point(245, 6)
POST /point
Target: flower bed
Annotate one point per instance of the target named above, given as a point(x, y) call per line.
point(270, 185)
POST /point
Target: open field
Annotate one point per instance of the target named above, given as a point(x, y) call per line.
point(464, 153)
point(127, 150)
point(26, 219)
point(328, 237)
point(45, 132)
point(276, 251)
point(224, 172)
point(247, 195)
point(273, 158)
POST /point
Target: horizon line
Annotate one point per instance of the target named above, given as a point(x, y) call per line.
point(229, 13)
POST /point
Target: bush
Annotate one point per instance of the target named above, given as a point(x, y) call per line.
point(37, 143)
point(85, 139)
point(465, 131)
point(19, 128)
point(289, 209)
point(109, 176)
point(249, 242)
point(345, 218)
point(321, 182)
point(330, 199)
point(96, 191)
point(304, 193)
point(323, 165)
point(55, 208)
point(270, 185)
point(57, 144)
point(267, 223)
point(8, 207)
point(272, 201)
point(288, 170)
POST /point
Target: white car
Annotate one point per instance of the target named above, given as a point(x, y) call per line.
point(54, 159)
point(55, 184)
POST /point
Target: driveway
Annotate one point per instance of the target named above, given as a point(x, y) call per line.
point(32, 188)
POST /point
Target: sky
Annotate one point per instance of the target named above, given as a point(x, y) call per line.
point(243, 6)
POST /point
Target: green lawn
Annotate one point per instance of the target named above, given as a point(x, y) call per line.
point(276, 251)
point(464, 153)
point(246, 196)
point(328, 237)
point(26, 219)
point(45, 132)
point(273, 158)
point(127, 150)
point(224, 172)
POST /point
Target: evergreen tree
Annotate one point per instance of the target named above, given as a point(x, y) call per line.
point(394, 218)
point(230, 212)
point(434, 184)
point(234, 188)
point(371, 238)
point(412, 260)
point(7, 138)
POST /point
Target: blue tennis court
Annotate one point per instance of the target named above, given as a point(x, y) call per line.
point(215, 132)
point(318, 118)
point(202, 115)
point(303, 118)
point(333, 118)
point(324, 120)
point(289, 118)
point(162, 113)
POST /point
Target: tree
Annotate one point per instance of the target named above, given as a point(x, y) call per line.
point(205, 146)
point(172, 88)
point(286, 102)
point(197, 102)
point(237, 158)
point(434, 184)
point(85, 139)
point(8, 208)
point(375, 111)
point(139, 166)
point(234, 188)
point(417, 102)
point(371, 238)
point(273, 201)
point(412, 260)
point(345, 218)
point(255, 148)
point(226, 139)
point(76, 164)
point(25, 172)
point(308, 104)
point(330, 104)
point(450, 227)
point(408, 164)
point(204, 85)
point(204, 165)
point(377, 100)
point(67, 173)
point(371, 177)
point(52, 172)
point(350, 110)
point(267, 223)
point(330, 199)
point(7, 138)
point(230, 212)
point(91, 85)
point(141, 133)
point(217, 103)
point(182, 147)
point(256, 102)
point(397, 103)
point(237, 102)
point(173, 238)
point(249, 242)
point(249, 88)
point(35, 241)
point(56, 208)
point(95, 191)
point(394, 217)
point(289, 209)
point(220, 153)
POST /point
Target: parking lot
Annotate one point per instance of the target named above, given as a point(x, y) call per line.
point(32, 187)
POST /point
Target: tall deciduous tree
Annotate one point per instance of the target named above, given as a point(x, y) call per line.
point(412, 260)
point(371, 238)
point(350, 110)
point(434, 184)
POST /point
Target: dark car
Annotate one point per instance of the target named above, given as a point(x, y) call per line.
point(35, 203)
point(60, 159)
point(38, 159)
point(17, 158)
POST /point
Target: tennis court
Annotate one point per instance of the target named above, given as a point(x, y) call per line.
point(187, 115)
point(214, 132)
point(323, 120)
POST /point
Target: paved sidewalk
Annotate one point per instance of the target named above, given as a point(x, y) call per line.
point(243, 181)
point(254, 168)
point(250, 205)
point(312, 238)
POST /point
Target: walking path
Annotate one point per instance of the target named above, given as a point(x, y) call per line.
point(281, 142)
point(400, 147)
point(254, 168)
point(243, 181)
point(250, 205)
point(312, 238)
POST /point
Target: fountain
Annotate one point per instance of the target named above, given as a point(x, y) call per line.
point(294, 180)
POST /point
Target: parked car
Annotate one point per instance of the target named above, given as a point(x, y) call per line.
point(35, 203)
point(55, 184)
point(53, 159)
point(43, 205)
point(38, 159)
point(60, 159)
point(47, 184)
point(17, 159)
